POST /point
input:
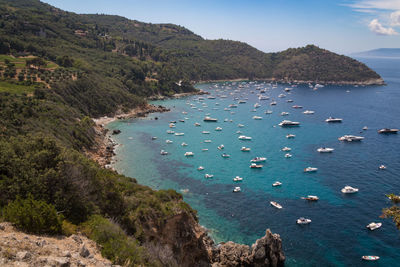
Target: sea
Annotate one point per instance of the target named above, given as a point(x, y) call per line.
point(337, 235)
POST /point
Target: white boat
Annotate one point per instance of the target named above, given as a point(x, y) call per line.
point(277, 183)
point(303, 220)
point(388, 131)
point(189, 154)
point(232, 106)
point(365, 128)
point(163, 152)
point(209, 119)
point(288, 155)
point(308, 112)
point(197, 124)
point(171, 125)
point(287, 123)
point(281, 95)
point(349, 190)
point(238, 132)
point(236, 189)
point(218, 129)
point(179, 134)
point(245, 149)
point(370, 258)
point(207, 141)
point(240, 125)
point(275, 204)
point(184, 144)
point(310, 169)
point(350, 138)
point(288, 136)
point(168, 141)
point(256, 166)
point(372, 226)
point(268, 112)
point(286, 148)
point(182, 120)
point(257, 118)
point(220, 147)
point(208, 175)
point(154, 138)
point(289, 101)
point(382, 167)
point(224, 155)
point(204, 149)
point(262, 97)
point(284, 113)
point(169, 132)
point(288, 89)
point(237, 179)
point(325, 150)
point(273, 103)
point(257, 105)
point(241, 102)
point(243, 137)
point(200, 168)
point(311, 198)
point(205, 132)
point(297, 106)
point(332, 119)
point(258, 159)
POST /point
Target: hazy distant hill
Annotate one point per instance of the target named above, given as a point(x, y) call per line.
point(380, 52)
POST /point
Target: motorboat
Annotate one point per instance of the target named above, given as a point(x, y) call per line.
point(382, 167)
point(245, 149)
point(289, 101)
point(236, 189)
point(179, 134)
point(168, 141)
point(286, 148)
point(204, 149)
point(287, 123)
point(172, 125)
point(209, 119)
point(220, 147)
point(243, 137)
point(237, 179)
point(189, 154)
point(275, 204)
point(258, 159)
point(218, 129)
point(350, 138)
point(288, 155)
point(184, 144)
point(240, 125)
point(284, 113)
point(388, 131)
point(277, 183)
point(170, 132)
point(181, 120)
point(273, 103)
point(241, 102)
point(288, 136)
point(238, 132)
point(224, 155)
point(208, 175)
point(172, 122)
point(332, 119)
point(288, 89)
point(154, 138)
point(297, 106)
point(372, 226)
point(311, 198)
point(268, 112)
point(308, 112)
point(257, 118)
point(207, 141)
point(310, 169)
point(303, 220)
point(349, 190)
point(256, 166)
point(325, 150)
point(197, 124)
point(370, 258)
point(365, 128)
point(262, 97)
point(200, 168)
point(281, 95)
point(257, 105)
point(163, 152)
point(211, 97)
point(205, 132)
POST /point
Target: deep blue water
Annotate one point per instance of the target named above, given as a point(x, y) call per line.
point(337, 235)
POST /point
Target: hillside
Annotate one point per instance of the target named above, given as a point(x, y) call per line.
point(380, 52)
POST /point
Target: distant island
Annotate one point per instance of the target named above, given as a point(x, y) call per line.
point(380, 52)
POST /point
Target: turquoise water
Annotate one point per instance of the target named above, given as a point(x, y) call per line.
point(337, 235)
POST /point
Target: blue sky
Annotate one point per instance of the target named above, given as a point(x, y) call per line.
point(343, 26)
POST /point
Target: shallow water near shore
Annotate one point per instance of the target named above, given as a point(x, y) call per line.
point(337, 235)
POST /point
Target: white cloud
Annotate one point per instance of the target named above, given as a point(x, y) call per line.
point(395, 18)
point(375, 4)
point(376, 27)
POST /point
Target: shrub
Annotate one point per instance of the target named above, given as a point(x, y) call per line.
point(33, 216)
point(68, 228)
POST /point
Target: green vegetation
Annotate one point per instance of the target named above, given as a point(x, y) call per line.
point(394, 211)
point(33, 216)
point(15, 88)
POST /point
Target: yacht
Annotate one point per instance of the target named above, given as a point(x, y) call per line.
point(372, 226)
point(311, 198)
point(277, 183)
point(310, 169)
point(388, 131)
point(287, 123)
point(236, 189)
point(350, 138)
point(325, 150)
point(275, 204)
point(209, 119)
point(208, 175)
point(257, 118)
point(286, 148)
point(284, 113)
point(200, 168)
point(303, 220)
point(245, 149)
point(189, 154)
point(243, 137)
point(163, 152)
point(349, 190)
point(332, 119)
point(237, 179)
point(258, 159)
point(218, 129)
point(256, 166)
point(370, 258)
point(288, 155)
point(308, 112)
point(288, 136)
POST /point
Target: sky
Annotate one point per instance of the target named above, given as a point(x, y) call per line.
point(342, 26)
